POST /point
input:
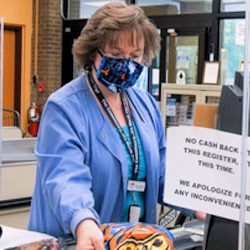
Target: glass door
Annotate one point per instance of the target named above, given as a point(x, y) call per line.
point(185, 54)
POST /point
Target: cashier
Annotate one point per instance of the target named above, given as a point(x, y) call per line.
point(101, 143)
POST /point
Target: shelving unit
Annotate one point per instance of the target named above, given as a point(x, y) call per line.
point(186, 96)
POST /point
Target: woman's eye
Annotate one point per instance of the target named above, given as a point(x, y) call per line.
point(135, 57)
point(116, 55)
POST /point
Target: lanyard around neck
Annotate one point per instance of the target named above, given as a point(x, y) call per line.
point(133, 152)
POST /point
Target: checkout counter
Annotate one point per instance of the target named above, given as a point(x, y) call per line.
point(17, 178)
point(187, 237)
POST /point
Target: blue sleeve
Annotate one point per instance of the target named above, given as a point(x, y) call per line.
point(66, 181)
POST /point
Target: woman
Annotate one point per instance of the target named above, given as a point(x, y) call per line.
point(101, 144)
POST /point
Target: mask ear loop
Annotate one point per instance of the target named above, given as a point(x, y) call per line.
point(94, 67)
point(100, 53)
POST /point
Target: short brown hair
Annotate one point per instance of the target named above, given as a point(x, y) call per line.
point(104, 26)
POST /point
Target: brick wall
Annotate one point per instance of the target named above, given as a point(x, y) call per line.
point(49, 49)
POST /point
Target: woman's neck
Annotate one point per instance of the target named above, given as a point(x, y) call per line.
point(114, 101)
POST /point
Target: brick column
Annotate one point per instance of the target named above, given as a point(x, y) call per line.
point(49, 49)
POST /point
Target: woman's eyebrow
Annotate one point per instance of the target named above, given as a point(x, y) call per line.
point(116, 47)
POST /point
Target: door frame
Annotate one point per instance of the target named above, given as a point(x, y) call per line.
point(18, 65)
point(194, 24)
point(71, 31)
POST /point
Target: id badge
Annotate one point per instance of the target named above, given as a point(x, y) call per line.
point(138, 186)
point(134, 213)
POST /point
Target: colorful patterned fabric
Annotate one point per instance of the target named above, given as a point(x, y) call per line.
point(136, 236)
point(118, 74)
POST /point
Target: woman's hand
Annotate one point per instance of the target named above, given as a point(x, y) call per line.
point(200, 215)
point(89, 236)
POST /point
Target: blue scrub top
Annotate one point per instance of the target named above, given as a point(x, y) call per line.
point(82, 169)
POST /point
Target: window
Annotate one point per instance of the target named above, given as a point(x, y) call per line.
point(174, 7)
point(232, 37)
point(77, 9)
point(233, 5)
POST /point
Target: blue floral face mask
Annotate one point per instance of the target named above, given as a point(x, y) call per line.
point(118, 74)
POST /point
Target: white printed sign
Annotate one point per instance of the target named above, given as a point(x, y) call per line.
point(203, 171)
point(240, 27)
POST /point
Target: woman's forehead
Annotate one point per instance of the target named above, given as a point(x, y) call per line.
point(126, 38)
